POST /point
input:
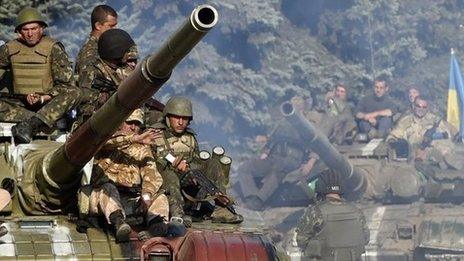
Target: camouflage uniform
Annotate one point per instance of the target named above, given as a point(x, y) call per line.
point(412, 129)
point(332, 230)
point(87, 56)
point(124, 170)
point(99, 69)
point(64, 95)
point(184, 145)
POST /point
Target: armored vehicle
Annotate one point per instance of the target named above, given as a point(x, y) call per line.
point(413, 210)
point(43, 177)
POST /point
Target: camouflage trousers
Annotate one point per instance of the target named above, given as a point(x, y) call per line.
point(15, 111)
point(106, 199)
point(171, 185)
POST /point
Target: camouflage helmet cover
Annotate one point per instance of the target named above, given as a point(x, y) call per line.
point(137, 115)
point(29, 15)
point(179, 106)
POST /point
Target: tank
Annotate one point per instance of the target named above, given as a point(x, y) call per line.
point(43, 178)
point(413, 210)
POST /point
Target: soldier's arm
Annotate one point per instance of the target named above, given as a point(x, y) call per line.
point(151, 179)
point(366, 232)
point(61, 70)
point(117, 141)
point(399, 131)
point(308, 226)
point(4, 60)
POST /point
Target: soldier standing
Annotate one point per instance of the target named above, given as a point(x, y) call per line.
point(125, 182)
point(117, 58)
point(103, 18)
point(333, 229)
point(41, 91)
point(179, 140)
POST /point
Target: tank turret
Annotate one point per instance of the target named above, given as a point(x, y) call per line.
point(52, 173)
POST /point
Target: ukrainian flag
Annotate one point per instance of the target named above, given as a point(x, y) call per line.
point(454, 113)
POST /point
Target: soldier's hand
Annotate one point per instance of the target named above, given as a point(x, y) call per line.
point(372, 121)
point(33, 98)
point(183, 166)
point(263, 156)
point(148, 137)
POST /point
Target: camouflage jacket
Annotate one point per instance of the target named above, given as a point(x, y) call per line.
point(412, 129)
point(184, 145)
point(312, 224)
point(61, 68)
point(128, 165)
point(88, 55)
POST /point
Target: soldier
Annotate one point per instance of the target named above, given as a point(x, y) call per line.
point(117, 58)
point(125, 181)
point(430, 136)
point(179, 140)
point(103, 18)
point(374, 112)
point(332, 229)
point(282, 154)
point(41, 91)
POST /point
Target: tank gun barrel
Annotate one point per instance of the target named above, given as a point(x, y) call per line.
point(63, 166)
point(320, 144)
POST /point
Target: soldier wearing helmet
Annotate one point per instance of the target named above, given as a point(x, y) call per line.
point(117, 59)
point(332, 229)
point(125, 182)
point(41, 77)
point(179, 140)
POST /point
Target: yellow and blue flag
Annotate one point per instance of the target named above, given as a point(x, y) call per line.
point(454, 114)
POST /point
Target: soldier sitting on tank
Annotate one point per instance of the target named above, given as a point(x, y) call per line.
point(429, 136)
point(332, 229)
point(125, 182)
point(375, 112)
point(117, 59)
point(41, 90)
point(178, 140)
point(102, 19)
point(283, 154)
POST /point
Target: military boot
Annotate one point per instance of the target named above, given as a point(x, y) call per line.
point(121, 229)
point(157, 227)
point(223, 215)
point(23, 131)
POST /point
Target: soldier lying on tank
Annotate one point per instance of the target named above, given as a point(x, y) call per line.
point(125, 182)
point(179, 140)
point(429, 135)
point(117, 59)
point(332, 229)
point(41, 73)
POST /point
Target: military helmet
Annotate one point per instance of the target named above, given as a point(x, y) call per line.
point(328, 182)
point(137, 115)
point(114, 43)
point(179, 106)
point(29, 15)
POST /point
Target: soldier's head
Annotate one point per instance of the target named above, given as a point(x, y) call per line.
point(116, 47)
point(413, 92)
point(328, 184)
point(178, 114)
point(133, 122)
point(380, 87)
point(420, 107)
point(103, 18)
point(340, 91)
point(30, 26)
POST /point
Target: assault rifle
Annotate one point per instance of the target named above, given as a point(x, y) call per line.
point(207, 187)
point(432, 134)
